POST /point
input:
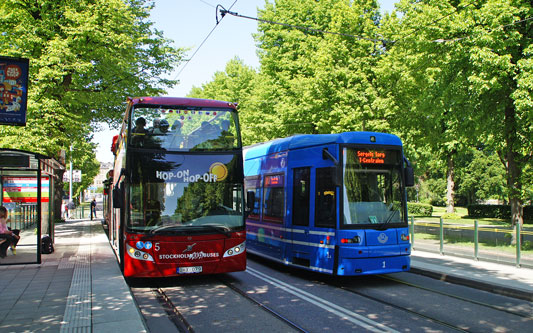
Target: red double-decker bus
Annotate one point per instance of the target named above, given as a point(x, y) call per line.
point(176, 194)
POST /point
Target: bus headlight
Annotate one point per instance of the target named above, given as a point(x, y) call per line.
point(235, 250)
point(138, 254)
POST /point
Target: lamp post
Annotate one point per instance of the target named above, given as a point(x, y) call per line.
point(70, 183)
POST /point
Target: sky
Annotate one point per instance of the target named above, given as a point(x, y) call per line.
point(189, 23)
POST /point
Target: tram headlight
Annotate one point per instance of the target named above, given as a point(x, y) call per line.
point(235, 250)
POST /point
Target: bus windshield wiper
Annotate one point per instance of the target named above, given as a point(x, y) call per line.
point(173, 227)
point(222, 229)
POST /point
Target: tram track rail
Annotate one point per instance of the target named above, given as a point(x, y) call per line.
point(181, 323)
point(266, 308)
point(446, 324)
point(172, 311)
point(404, 309)
point(464, 299)
point(240, 288)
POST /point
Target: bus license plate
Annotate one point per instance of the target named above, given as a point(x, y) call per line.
point(192, 269)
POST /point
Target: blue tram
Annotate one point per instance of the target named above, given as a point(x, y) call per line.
point(331, 203)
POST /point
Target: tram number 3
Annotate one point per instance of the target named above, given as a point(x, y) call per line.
point(384, 266)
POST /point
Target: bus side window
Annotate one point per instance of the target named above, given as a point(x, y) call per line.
point(325, 203)
point(300, 196)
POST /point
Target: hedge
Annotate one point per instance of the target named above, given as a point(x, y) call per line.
point(498, 211)
point(419, 209)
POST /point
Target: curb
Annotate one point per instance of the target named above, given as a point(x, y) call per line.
point(477, 284)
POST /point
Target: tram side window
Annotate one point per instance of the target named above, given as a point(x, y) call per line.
point(256, 210)
point(325, 203)
point(253, 185)
point(301, 194)
point(274, 198)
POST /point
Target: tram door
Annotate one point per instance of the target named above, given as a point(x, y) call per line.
point(325, 217)
point(301, 251)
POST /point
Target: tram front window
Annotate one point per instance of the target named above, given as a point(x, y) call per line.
point(372, 188)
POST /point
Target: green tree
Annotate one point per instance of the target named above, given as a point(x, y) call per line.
point(317, 79)
point(458, 73)
point(482, 177)
point(236, 84)
point(86, 57)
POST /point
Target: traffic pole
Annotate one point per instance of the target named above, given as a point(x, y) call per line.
point(518, 244)
point(441, 236)
point(476, 239)
point(70, 185)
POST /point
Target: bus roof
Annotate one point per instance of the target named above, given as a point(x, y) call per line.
point(182, 101)
point(309, 140)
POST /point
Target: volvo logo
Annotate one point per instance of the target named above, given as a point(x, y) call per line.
point(383, 238)
point(189, 248)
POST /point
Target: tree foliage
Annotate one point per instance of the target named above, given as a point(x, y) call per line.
point(86, 57)
point(445, 75)
point(482, 177)
point(236, 84)
point(461, 71)
point(318, 80)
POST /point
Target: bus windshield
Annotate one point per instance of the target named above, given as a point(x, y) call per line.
point(172, 193)
point(372, 190)
point(184, 130)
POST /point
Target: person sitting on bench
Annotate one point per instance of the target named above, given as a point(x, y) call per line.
point(7, 237)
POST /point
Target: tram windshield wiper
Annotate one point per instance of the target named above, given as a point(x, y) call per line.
point(383, 225)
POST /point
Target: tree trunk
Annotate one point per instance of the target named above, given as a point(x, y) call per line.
point(513, 170)
point(450, 185)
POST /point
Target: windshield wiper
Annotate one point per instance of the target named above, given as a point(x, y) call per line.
point(222, 229)
point(383, 225)
point(167, 228)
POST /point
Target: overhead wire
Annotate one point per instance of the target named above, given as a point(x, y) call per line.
point(484, 32)
point(207, 3)
point(203, 42)
point(439, 19)
point(224, 11)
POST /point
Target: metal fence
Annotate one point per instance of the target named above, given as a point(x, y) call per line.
point(80, 212)
point(490, 243)
point(23, 216)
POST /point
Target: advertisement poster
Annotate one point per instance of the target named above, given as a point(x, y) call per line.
point(24, 189)
point(13, 90)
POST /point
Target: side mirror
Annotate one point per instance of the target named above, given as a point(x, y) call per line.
point(409, 176)
point(118, 196)
point(337, 172)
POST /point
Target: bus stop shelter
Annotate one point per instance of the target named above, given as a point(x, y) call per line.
point(27, 187)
